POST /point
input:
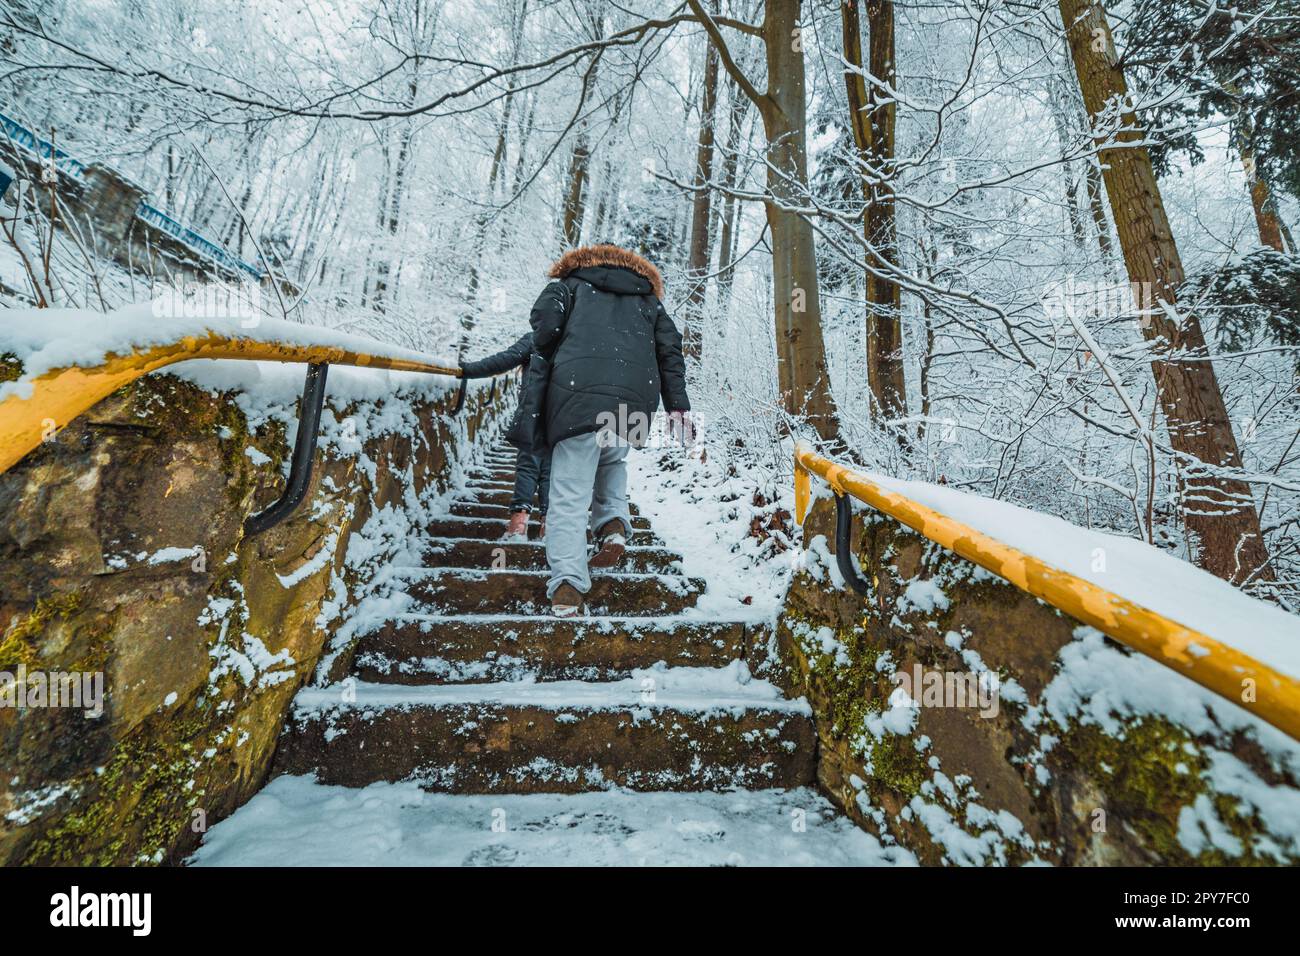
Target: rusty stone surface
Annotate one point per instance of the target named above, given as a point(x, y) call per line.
point(531, 556)
point(493, 528)
point(501, 748)
point(448, 650)
point(457, 591)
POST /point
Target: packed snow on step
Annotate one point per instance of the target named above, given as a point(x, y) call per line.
point(296, 821)
point(704, 514)
point(696, 689)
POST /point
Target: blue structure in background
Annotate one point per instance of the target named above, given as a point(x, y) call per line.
point(13, 131)
point(161, 221)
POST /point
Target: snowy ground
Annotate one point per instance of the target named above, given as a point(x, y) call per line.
point(704, 514)
point(296, 821)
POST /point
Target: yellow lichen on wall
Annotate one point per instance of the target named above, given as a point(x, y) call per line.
point(122, 554)
point(962, 782)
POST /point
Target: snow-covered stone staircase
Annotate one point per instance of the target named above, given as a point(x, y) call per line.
point(482, 691)
point(476, 729)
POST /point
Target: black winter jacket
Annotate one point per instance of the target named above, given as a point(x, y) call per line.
point(607, 352)
point(503, 361)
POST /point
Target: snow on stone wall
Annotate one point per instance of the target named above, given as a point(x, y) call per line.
point(122, 558)
point(972, 724)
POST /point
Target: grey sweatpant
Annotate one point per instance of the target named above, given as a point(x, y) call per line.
point(584, 475)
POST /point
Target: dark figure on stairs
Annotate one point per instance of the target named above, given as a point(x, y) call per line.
point(532, 472)
point(606, 353)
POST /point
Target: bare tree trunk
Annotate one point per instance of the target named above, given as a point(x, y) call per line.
point(233, 237)
point(931, 258)
point(606, 214)
point(1267, 220)
point(1092, 182)
point(575, 197)
point(1219, 512)
point(1061, 109)
point(801, 353)
point(517, 180)
point(381, 207)
point(607, 207)
point(391, 218)
point(420, 31)
point(525, 133)
point(1069, 107)
point(333, 232)
point(872, 113)
point(575, 201)
point(697, 266)
point(173, 176)
point(309, 240)
point(1072, 207)
point(737, 111)
point(495, 171)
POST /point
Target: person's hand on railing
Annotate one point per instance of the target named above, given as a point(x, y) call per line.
point(680, 427)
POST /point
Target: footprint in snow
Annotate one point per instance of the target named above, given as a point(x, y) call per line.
point(494, 855)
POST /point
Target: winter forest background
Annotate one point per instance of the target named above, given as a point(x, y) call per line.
point(412, 167)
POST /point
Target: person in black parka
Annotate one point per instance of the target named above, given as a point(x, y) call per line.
point(606, 354)
point(532, 471)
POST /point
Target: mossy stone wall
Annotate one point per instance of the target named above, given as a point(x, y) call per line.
point(122, 552)
point(964, 785)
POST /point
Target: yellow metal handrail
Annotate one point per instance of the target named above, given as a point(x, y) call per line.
point(1209, 662)
point(60, 395)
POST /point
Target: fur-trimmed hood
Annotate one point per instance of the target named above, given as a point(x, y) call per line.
point(585, 257)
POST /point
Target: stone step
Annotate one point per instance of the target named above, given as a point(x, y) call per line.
point(503, 497)
point(498, 476)
point(475, 591)
point(531, 556)
point(433, 649)
point(480, 509)
point(492, 529)
point(561, 737)
point(479, 486)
